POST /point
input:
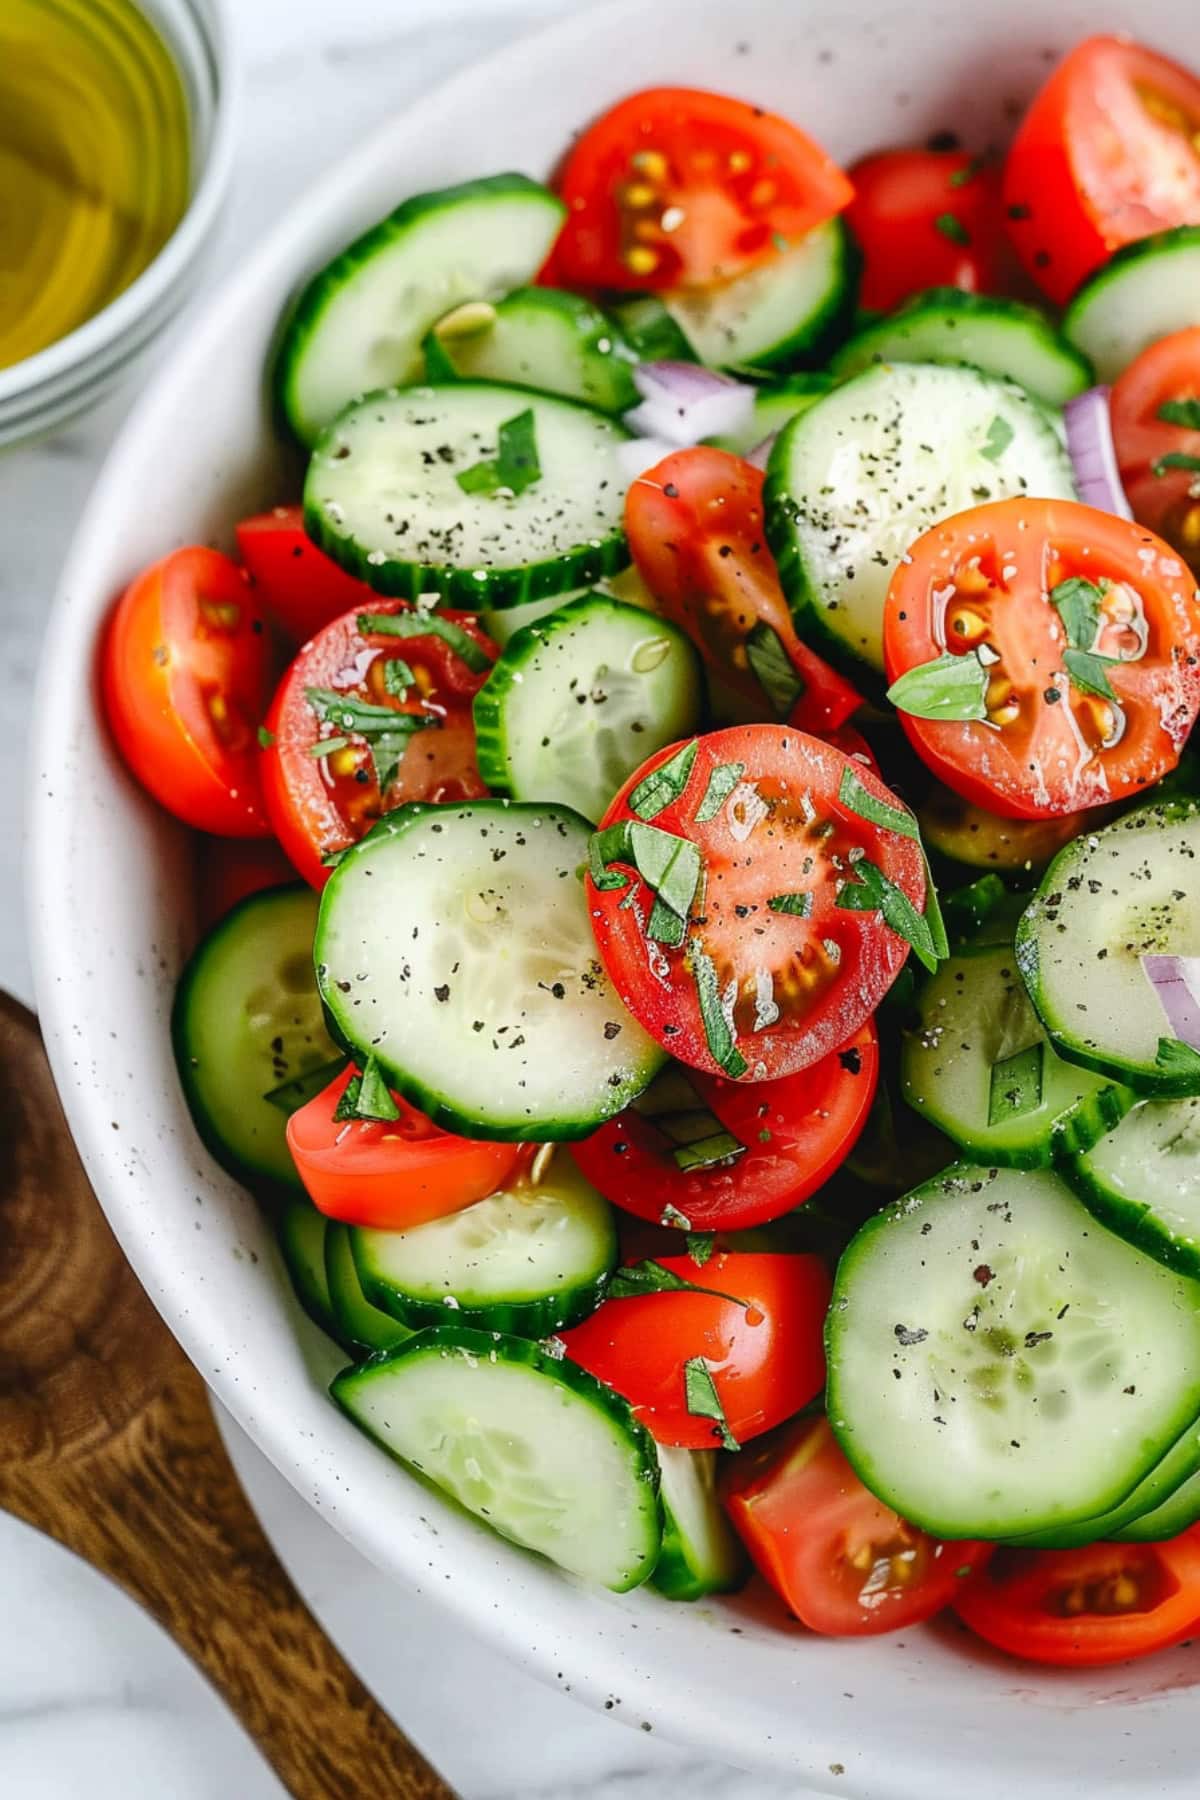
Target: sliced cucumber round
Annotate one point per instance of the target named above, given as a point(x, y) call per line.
point(301, 1230)
point(1175, 1514)
point(1116, 908)
point(246, 1024)
point(972, 835)
point(1000, 1364)
point(364, 1329)
point(384, 494)
point(1152, 1495)
point(529, 1260)
point(530, 1443)
point(650, 331)
point(1143, 1181)
point(455, 946)
point(792, 309)
point(1148, 290)
point(1001, 337)
point(776, 405)
point(359, 323)
point(578, 701)
point(701, 1552)
point(541, 338)
point(975, 1061)
point(854, 481)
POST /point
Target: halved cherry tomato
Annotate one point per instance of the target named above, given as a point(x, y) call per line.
point(793, 1134)
point(1109, 151)
point(675, 187)
point(772, 974)
point(301, 588)
point(695, 526)
point(980, 585)
point(763, 1347)
point(844, 1563)
point(391, 1176)
point(1084, 1608)
point(926, 218)
point(320, 802)
point(232, 870)
point(185, 675)
point(1159, 456)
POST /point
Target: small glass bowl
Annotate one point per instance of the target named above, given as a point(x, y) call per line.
point(79, 369)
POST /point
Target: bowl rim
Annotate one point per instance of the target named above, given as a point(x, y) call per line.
point(75, 354)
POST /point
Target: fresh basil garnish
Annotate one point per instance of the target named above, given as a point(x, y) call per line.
point(797, 906)
point(772, 668)
point(265, 738)
point(327, 747)
point(951, 686)
point(397, 677)
point(668, 864)
point(665, 926)
point(703, 1401)
point(721, 784)
point(367, 1096)
point(428, 624)
point(1078, 604)
point(872, 891)
point(386, 731)
point(706, 1153)
point(967, 173)
point(1175, 459)
point(650, 1277)
point(700, 1246)
point(859, 799)
point(718, 1030)
point(291, 1095)
point(664, 785)
point(999, 437)
point(1088, 671)
point(1016, 1084)
point(952, 227)
point(1181, 412)
point(1174, 1057)
point(671, 1215)
point(515, 465)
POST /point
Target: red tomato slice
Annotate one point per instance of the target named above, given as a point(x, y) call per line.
point(754, 990)
point(320, 803)
point(1085, 1608)
point(395, 1175)
point(841, 1561)
point(763, 1348)
point(680, 188)
point(300, 587)
point(1049, 744)
point(231, 871)
point(1108, 152)
point(923, 219)
point(794, 1133)
point(695, 526)
point(185, 675)
point(1165, 495)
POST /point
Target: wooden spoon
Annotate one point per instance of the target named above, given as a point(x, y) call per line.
point(108, 1443)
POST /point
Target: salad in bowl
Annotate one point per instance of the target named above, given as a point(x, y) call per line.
point(702, 958)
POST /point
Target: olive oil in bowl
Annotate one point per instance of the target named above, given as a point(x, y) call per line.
point(95, 162)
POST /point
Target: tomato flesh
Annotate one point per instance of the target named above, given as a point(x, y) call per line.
point(841, 1561)
point(300, 587)
point(230, 871)
point(924, 219)
point(793, 1134)
point(675, 187)
point(1164, 494)
point(1048, 745)
point(695, 528)
point(1085, 1608)
point(185, 674)
point(390, 1176)
point(1108, 152)
point(320, 803)
point(763, 1348)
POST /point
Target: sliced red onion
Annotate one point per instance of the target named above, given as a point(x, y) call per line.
point(638, 454)
point(1176, 981)
point(684, 403)
point(760, 456)
point(1090, 442)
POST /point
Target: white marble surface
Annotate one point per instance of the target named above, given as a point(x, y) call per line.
point(93, 1700)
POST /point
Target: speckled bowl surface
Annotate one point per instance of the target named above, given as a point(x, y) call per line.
point(919, 1717)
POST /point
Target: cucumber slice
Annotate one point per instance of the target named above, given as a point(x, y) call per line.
point(1108, 901)
point(998, 1363)
point(362, 1327)
point(540, 338)
point(503, 626)
point(359, 323)
point(976, 1063)
point(531, 1444)
point(382, 496)
point(1148, 290)
point(301, 1230)
point(529, 1260)
point(247, 1019)
point(853, 482)
point(793, 309)
point(970, 834)
point(454, 945)
point(1143, 1181)
point(578, 701)
point(1151, 1495)
point(1176, 1513)
point(650, 331)
point(1001, 337)
point(776, 406)
point(701, 1553)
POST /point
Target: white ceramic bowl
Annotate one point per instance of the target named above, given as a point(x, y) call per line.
point(919, 1717)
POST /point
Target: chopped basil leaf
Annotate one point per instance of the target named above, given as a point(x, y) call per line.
point(703, 1401)
point(515, 466)
point(609, 845)
point(1088, 672)
point(933, 913)
point(397, 677)
point(265, 738)
point(772, 668)
point(650, 1277)
point(366, 1096)
point(967, 173)
point(700, 1246)
point(671, 1215)
point(1175, 459)
point(721, 784)
point(423, 624)
point(668, 864)
point(327, 746)
point(705, 1153)
point(718, 1030)
point(387, 731)
point(798, 906)
point(859, 799)
point(1181, 412)
point(291, 1095)
point(664, 786)
point(999, 437)
point(1078, 604)
point(950, 687)
point(1174, 1057)
point(665, 926)
point(952, 227)
point(873, 892)
point(1016, 1084)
